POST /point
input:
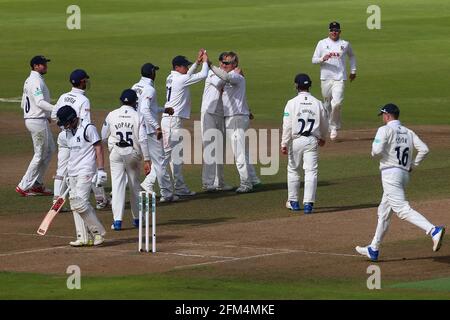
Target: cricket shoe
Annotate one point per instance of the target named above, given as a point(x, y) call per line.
point(103, 204)
point(244, 189)
point(293, 205)
point(116, 225)
point(40, 190)
point(25, 193)
point(98, 239)
point(173, 198)
point(333, 134)
point(437, 235)
point(81, 243)
point(147, 188)
point(308, 207)
point(185, 193)
point(225, 187)
point(209, 188)
point(368, 252)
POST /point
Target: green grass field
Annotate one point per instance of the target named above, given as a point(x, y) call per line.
point(405, 62)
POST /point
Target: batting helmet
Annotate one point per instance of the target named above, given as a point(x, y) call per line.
point(66, 114)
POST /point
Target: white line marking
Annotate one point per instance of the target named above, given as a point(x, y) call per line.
point(197, 255)
point(229, 260)
point(16, 99)
point(35, 235)
point(30, 251)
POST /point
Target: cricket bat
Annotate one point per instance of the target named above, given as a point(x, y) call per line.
point(52, 213)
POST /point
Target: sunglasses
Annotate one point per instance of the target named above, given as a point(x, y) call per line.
point(226, 62)
point(335, 30)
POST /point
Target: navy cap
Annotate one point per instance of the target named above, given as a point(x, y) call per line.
point(39, 60)
point(303, 80)
point(77, 75)
point(148, 69)
point(334, 25)
point(129, 96)
point(391, 109)
point(181, 61)
point(65, 115)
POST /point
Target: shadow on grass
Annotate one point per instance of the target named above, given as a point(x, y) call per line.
point(346, 208)
point(440, 259)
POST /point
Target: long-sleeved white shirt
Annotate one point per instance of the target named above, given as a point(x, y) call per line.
point(234, 92)
point(304, 115)
point(82, 158)
point(395, 144)
point(148, 104)
point(178, 93)
point(126, 124)
point(212, 94)
point(77, 99)
point(335, 67)
point(36, 98)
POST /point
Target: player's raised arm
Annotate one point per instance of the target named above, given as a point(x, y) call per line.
point(199, 76)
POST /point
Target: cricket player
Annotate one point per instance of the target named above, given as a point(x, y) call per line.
point(394, 144)
point(85, 162)
point(36, 112)
point(305, 127)
point(179, 98)
point(127, 144)
point(331, 54)
point(77, 99)
point(213, 124)
point(237, 117)
point(149, 109)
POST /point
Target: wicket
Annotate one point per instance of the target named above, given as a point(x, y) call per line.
point(144, 209)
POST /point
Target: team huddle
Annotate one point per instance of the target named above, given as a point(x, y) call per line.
point(142, 131)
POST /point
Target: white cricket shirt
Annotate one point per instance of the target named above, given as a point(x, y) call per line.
point(304, 115)
point(335, 67)
point(395, 143)
point(212, 94)
point(125, 123)
point(234, 95)
point(82, 159)
point(178, 94)
point(78, 101)
point(34, 90)
point(148, 104)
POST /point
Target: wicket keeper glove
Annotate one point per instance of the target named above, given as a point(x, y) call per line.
point(102, 177)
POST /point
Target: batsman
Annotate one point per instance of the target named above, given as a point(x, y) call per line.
point(85, 158)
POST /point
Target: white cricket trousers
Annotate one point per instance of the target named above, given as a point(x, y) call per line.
point(173, 154)
point(59, 185)
point(44, 146)
point(236, 127)
point(125, 166)
point(394, 181)
point(213, 140)
point(87, 224)
point(303, 153)
point(159, 167)
point(333, 97)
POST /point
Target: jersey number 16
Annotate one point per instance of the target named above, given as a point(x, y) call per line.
point(402, 156)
